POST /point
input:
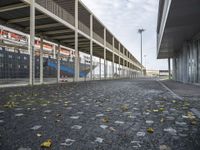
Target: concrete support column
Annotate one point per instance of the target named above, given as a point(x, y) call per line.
point(41, 60)
point(76, 43)
point(58, 63)
point(91, 47)
point(113, 56)
point(54, 51)
point(123, 68)
point(119, 66)
point(113, 65)
point(174, 68)
point(99, 68)
point(198, 61)
point(119, 47)
point(195, 58)
point(105, 66)
point(169, 68)
point(32, 43)
point(184, 62)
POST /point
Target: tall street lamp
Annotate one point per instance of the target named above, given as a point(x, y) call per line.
point(140, 31)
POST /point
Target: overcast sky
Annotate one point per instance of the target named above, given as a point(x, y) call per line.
point(123, 18)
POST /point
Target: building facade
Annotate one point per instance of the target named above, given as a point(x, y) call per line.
point(71, 24)
point(178, 38)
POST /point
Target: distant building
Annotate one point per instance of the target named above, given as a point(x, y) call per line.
point(152, 73)
point(178, 38)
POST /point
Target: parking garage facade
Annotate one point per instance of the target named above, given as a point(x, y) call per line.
point(68, 24)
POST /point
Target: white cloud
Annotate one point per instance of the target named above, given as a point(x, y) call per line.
point(124, 17)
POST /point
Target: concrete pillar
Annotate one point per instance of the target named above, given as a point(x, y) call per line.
point(58, 63)
point(32, 43)
point(174, 68)
point(184, 62)
point(195, 56)
point(54, 51)
point(113, 59)
point(41, 60)
point(198, 60)
point(169, 68)
point(119, 67)
point(105, 66)
point(99, 68)
point(113, 65)
point(76, 43)
point(123, 68)
point(91, 47)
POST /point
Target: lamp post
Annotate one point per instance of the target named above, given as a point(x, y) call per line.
point(140, 31)
point(145, 61)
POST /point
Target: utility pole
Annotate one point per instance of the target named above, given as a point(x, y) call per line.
point(140, 31)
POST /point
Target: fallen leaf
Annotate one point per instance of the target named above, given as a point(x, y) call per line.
point(10, 105)
point(46, 144)
point(161, 109)
point(150, 130)
point(124, 107)
point(105, 119)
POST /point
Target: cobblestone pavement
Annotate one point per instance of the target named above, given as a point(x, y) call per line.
point(103, 115)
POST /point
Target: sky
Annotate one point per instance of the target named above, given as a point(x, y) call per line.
point(123, 18)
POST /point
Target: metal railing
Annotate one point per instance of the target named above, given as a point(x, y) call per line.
point(98, 38)
point(83, 28)
point(116, 50)
point(57, 10)
point(109, 45)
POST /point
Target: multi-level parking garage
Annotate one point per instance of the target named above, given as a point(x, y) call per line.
point(70, 24)
point(178, 37)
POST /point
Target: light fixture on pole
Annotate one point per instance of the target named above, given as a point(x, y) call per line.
point(140, 31)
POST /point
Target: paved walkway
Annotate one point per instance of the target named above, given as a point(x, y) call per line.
point(184, 90)
point(103, 115)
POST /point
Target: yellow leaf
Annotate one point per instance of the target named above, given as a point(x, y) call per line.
point(124, 107)
point(46, 144)
point(161, 109)
point(150, 130)
point(105, 119)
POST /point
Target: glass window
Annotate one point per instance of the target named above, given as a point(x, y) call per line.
point(1, 55)
point(19, 66)
point(9, 56)
point(10, 65)
point(25, 67)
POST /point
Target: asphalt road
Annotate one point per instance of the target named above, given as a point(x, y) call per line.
point(103, 115)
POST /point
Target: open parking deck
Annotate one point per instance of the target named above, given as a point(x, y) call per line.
point(121, 114)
